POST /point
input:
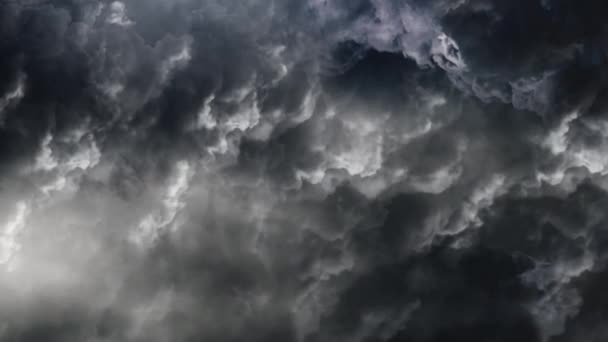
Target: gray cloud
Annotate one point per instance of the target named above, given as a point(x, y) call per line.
point(369, 170)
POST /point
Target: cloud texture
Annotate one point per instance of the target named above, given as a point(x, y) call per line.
point(303, 170)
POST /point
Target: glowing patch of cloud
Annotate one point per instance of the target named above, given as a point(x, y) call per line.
point(118, 15)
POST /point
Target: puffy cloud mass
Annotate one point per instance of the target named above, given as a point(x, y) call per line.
point(303, 170)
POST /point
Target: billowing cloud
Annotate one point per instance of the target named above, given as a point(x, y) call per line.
point(315, 170)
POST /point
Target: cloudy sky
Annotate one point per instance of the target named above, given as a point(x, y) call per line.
point(303, 170)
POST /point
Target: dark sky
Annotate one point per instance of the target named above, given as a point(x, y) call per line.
point(303, 170)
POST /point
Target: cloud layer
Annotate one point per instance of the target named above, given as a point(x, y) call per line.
point(311, 170)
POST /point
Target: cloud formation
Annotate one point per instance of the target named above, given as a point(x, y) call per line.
point(311, 170)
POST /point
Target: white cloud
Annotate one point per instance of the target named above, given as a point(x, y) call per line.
point(154, 225)
point(177, 60)
point(592, 158)
point(86, 157)
point(439, 180)
point(205, 117)
point(446, 53)
point(359, 151)
point(13, 95)
point(557, 141)
point(9, 245)
point(45, 160)
point(482, 197)
point(118, 15)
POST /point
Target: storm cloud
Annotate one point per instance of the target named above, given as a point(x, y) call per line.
point(303, 170)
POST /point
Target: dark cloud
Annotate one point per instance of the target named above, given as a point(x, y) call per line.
point(370, 170)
